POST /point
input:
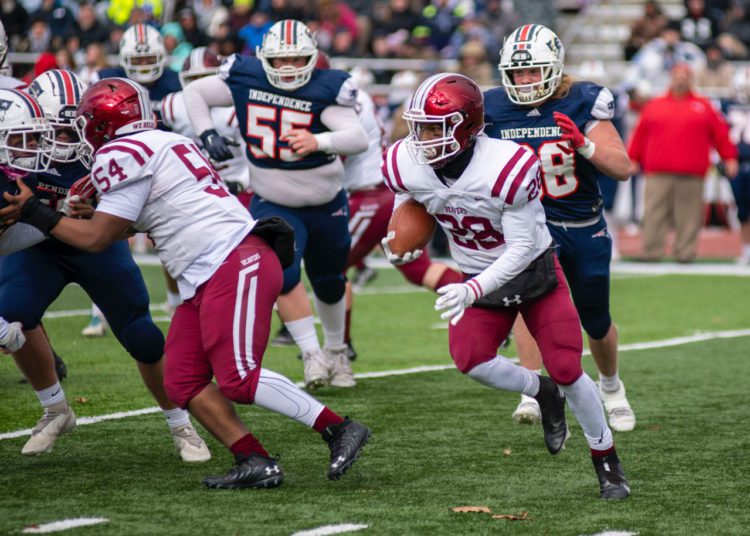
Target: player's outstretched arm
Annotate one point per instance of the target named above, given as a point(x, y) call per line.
point(202, 95)
point(96, 234)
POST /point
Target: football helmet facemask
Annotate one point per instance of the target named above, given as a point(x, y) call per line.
point(142, 53)
point(452, 101)
point(25, 135)
point(58, 92)
point(199, 63)
point(529, 46)
point(288, 39)
point(110, 108)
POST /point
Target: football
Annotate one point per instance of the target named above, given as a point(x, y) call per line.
point(411, 227)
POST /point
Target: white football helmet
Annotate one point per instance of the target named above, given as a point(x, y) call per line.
point(25, 135)
point(288, 39)
point(4, 65)
point(532, 45)
point(199, 63)
point(58, 93)
point(142, 53)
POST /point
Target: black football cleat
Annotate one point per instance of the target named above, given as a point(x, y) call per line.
point(351, 353)
point(282, 337)
point(552, 406)
point(345, 440)
point(60, 368)
point(612, 482)
point(255, 471)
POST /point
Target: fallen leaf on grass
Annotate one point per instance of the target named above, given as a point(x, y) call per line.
point(523, 516)
point(82, 400)
point(468, 509)
point(507, 452)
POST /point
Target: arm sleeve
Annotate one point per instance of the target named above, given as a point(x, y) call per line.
point(347, 135)
point(19, 236)
point(126, 202)
point(202, 95)
point(518, 222)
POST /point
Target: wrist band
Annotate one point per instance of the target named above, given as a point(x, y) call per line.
point(587, 149)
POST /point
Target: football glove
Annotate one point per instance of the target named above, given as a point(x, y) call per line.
point(217, 146)
point(394, 259)
point(14, 338)
point(570, 131)
point(453, 300)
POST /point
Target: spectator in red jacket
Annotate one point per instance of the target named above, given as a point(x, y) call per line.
point(671, 144)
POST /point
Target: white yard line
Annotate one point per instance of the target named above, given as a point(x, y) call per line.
point(614, 533)
point(65, 524)
point(325, 530)
point(665, 343)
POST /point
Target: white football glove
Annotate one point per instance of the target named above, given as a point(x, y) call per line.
point(68, 200)
point(396, 259)
point(14, 339)
point(454, 299)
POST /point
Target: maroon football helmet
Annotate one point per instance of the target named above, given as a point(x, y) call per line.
point(110, 108)
point(199, 63)
point(322, 61)
point(452, 101)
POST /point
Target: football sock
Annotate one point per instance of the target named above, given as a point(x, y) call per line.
point(304, 334)
point(502, 373)
point(448, 277)
point(245, 446)
point(583, 399)
point(96, 312)
point(52, 395)
point(325, 419)
point(176, 417)
point(746, 251)
point(610, 384)
point(278, 394)
point(333, 317)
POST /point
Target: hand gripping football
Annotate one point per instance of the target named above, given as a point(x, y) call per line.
point(411, 227)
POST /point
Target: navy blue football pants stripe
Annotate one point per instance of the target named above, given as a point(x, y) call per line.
point(322, 239)
point(585, 254)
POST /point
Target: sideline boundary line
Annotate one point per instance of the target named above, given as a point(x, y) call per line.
point(664, 343)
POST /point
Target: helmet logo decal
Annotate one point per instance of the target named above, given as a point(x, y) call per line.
point(4, 107)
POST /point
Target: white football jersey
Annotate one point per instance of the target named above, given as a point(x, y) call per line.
point(163, 183)
point(362, 170)
point(502, 179)
point(174, 115)
point(8, 82)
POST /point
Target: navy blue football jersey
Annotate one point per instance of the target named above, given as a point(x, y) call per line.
point(266, 113)
point(571, 183)
point(738, 117)
point(51, 187)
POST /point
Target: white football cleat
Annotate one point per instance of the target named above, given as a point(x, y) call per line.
point(341, 368)
point(97, 327)
point(317, 369)
point(528, 411)
point(192, 448)
point(56, 421)
point(619, 413)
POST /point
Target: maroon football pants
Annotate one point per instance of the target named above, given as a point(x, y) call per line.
point(223, 330)
point(552, 320)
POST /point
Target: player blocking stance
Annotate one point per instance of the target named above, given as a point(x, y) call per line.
point(569, 127)
point(295, 120)
point(485, 195)
point(228, 267)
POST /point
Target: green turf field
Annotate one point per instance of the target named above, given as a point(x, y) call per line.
point(440, 440)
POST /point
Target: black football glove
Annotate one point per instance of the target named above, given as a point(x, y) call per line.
point(216, 146)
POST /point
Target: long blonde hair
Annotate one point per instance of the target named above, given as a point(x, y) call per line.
point(564, 88)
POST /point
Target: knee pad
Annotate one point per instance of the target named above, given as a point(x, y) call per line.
point(596, 326)
point(143, 340)
point(329, 289)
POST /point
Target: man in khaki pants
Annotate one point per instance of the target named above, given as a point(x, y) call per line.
point(671, 144)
